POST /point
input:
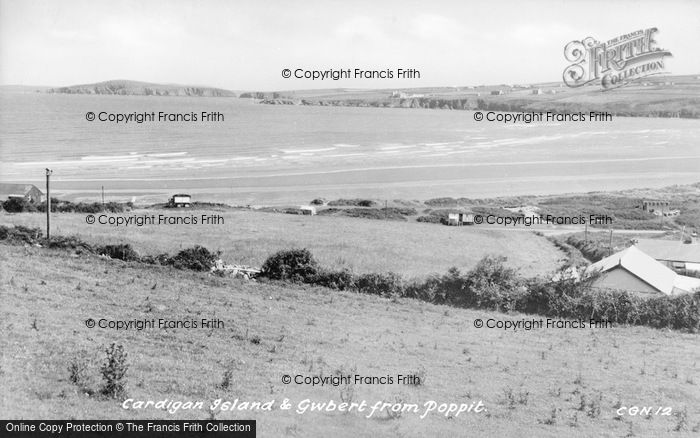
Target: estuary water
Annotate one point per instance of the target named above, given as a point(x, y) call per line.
point(275, 154)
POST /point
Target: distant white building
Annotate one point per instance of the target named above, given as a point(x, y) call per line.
point(404, 95)
point(308, 210)
point(459, 219)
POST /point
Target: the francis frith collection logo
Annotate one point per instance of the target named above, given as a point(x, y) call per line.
point(616, 62)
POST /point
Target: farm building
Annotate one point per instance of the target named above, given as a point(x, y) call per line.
point(29, 192)
point(180, 200)
point(459, 219)
point(635, 271)
point(497, 92)
point(674, 254)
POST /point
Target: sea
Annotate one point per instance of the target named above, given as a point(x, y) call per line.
point(259, 154)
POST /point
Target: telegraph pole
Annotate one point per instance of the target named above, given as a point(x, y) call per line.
point(48, 204)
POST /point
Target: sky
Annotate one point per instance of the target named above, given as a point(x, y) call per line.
point(245, 45)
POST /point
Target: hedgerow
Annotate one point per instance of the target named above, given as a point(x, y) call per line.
point(196, 258)
point(491, 285)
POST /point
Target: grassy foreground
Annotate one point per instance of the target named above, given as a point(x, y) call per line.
point(549, 382)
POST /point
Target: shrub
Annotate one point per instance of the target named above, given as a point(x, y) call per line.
point(431, 219)
point(439, 289)
point(353, 202)
point(20, 234)
point(70, 242)
point(93, 207)
point(385, 284)
point(114, 372)
point(62, 206)
point(423, 290)
point(591, 250)
point(339, 280)
point(490, 285)
point(160, 259)
point(297, 265)
point(18, 205)
point(122, 251)
point(77, 372)
point(197, 258)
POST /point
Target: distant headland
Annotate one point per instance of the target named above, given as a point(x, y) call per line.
point(136, 88)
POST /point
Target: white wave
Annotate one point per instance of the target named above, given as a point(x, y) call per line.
point(396, 146)
point(345, 155)
point(444, 143)
point(345, 145)
point(167, 154)
point(303, 151)
point(130, 157)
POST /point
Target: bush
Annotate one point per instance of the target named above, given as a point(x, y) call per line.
point(160, 259)
point(339, 280)
point(70, 242)
point(593, 251)
point(431, 219)
point(122, 251)
point(60, 206)
point(439, 289)
point(20, 234)
point(18, 205)
point(296, 265)
point(353, 202)
point(114, 372)
point(197, 258)
point(490, 285)
point(385, 284)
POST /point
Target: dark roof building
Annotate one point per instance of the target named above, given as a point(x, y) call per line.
point(29, 192)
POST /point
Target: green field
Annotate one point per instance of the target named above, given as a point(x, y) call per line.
point(549, 382)
point(249, 237)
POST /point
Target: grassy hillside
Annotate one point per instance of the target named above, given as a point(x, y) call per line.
point(248, 237)
point(533, 383)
